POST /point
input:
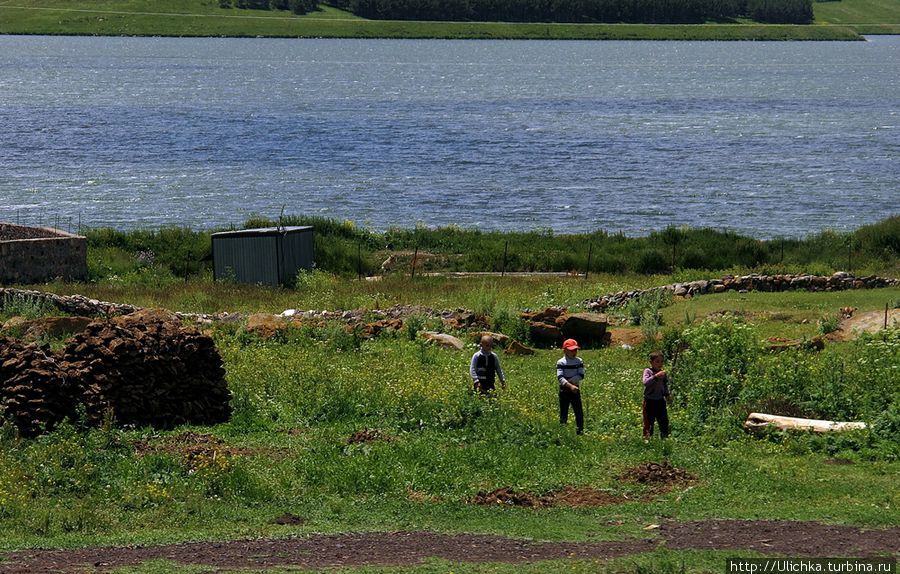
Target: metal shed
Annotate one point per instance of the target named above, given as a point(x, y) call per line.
point(265, 256)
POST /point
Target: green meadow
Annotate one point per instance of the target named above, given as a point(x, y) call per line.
point(299, 397)
point(838, 20)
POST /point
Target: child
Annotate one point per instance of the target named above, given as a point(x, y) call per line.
point(485, 367)
point(570, 373)
point(656, 394)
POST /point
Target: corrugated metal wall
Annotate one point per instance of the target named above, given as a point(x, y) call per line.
point(262, 256)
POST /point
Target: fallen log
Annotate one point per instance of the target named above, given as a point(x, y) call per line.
point(761, 421)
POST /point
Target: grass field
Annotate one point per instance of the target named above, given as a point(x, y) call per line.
point(298, 399)
point(863, 16)
point(204, 18)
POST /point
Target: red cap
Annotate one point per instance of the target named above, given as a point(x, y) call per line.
point(570, 345)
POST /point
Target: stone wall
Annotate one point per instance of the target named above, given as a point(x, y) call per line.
point(38, 254)
point(838, 282)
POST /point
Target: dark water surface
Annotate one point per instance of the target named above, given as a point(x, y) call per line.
point(766, 138)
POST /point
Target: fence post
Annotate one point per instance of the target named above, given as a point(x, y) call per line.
point(588, 268)
point(849, 253)
point(415, 257)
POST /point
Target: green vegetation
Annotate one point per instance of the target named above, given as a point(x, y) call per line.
point(300, 396)
point(207, 18)
point(165, 255)
point(863, 16)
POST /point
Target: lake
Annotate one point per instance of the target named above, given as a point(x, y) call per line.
point(764, 138)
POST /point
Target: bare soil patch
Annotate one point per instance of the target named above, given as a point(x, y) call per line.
point(407, 548)
point(573, 496)
point(191, 447)
point(868, 322)
point(369, 435)
point(657, 473)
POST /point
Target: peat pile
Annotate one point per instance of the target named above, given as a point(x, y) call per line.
point(34, 391)
point(143, 369)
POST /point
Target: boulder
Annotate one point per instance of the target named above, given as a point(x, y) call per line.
point(443, 340)
point(517, 348)
point(589, 329)
point(545, 334)
point(265, 325)
point(52, 327)
point(498, 338)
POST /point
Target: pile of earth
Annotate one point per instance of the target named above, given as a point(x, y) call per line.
point(368, 435)
point(573, 496)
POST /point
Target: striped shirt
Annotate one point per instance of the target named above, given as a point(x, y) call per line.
point(571, 370)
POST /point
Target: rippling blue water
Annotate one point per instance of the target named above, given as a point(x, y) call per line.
point(763, 138)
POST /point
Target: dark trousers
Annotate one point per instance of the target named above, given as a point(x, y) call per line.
point(566, 398)
point(655, 409)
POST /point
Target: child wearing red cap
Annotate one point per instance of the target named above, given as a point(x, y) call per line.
point(570, 373)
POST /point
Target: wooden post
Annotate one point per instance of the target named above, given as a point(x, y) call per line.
point(505, 250)
point(415, 257)
point(849, 253)
point(588, 268)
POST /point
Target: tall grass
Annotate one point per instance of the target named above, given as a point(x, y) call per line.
point(345, 249)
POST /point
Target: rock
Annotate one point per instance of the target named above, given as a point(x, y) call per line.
point(265, 325)
point(53, 327)
point(589, 329)
point(443, 340)
point(517, 348)
point(544, 334)
point(498, 338)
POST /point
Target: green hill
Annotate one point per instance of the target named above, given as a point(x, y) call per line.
point(841, 20)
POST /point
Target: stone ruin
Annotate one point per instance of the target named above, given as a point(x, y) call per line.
point(40, 254)
point(143, 369)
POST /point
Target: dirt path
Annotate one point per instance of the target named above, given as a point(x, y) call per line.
point(408, 548)
point(868, 322)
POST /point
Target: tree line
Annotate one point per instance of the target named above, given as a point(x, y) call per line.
point(570, 11)
point(295, 6)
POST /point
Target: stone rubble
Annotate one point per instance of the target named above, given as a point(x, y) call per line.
point(745, 283)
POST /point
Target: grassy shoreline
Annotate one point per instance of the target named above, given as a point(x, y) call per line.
point(196, 19)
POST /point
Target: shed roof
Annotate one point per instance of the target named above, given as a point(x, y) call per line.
point(262, 231)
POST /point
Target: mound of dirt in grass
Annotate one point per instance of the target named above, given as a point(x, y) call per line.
point(193, 447)
point(573, 496)
point(657, 473)
point(368, 435)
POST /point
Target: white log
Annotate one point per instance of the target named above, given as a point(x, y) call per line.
point(757, 421)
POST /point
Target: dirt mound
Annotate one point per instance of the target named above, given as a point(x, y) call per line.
point(368, 435)
point(573, 496)
point(509, 497)
point(657, 473)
